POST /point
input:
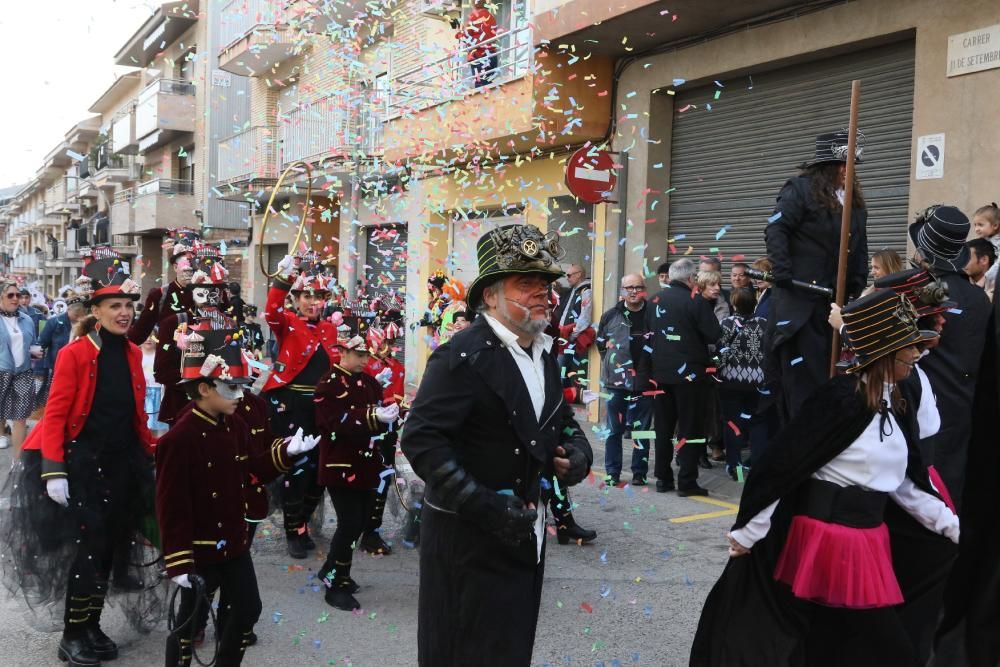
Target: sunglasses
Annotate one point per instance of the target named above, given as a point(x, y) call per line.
point(632, 288)
point(12, 295)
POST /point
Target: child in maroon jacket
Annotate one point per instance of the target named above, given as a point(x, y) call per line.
point(350, 417)
point(203, 464)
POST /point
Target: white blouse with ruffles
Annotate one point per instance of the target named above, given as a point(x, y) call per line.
point(876, 461)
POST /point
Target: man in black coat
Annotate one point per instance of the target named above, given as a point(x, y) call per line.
point(488, 427)
point(968, 631)
point(803, 243)
point(682, 327)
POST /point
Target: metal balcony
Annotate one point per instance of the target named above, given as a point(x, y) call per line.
point(163, 110)
point(249, 155)
point(452, 77)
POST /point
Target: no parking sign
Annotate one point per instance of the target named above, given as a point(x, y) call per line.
point(930, 157)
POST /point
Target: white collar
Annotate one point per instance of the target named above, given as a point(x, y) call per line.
point(509, 338)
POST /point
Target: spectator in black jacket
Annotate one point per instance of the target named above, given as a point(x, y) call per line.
point(682, 327)
point(621, 336)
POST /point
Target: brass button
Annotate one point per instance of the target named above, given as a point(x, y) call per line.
point(517, 451)
point(209, 464)
point(533, 443)
point(220, 524)
point(214, 494)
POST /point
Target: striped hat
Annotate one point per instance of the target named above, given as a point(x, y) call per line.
point(513, 249)
point(879, 324)
point(940, 234)
point(927, 295)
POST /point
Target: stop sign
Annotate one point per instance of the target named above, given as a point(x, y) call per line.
point(590, 175)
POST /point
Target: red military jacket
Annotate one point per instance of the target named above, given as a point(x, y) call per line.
point(202, 468)
point(393, 392)
point(345, 416)
point(74, 382)
point(297, 338)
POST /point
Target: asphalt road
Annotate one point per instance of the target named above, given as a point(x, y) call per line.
point(631, 598)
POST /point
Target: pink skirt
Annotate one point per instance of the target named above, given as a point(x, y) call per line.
point(839, 566)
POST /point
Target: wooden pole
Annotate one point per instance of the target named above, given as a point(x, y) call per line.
point(845, 219)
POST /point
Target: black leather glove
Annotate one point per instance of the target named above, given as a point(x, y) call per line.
point(505, 516)
point(578, 466)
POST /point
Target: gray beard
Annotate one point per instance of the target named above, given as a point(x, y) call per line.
point(522, 322)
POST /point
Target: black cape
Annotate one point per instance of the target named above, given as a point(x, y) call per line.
point(970, 630)
point(747, 619)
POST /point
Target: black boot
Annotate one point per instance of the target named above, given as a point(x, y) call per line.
point(296, 548)
point(339, 594)
point(569, 530)
point(373, 543)
point(411, 533)
point(327, 574)
point(102, 645)
point(307, 541)
point(75, 650)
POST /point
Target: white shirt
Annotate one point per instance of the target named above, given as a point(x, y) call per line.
point(533, 371)
point(13, 325)
point(875, 462)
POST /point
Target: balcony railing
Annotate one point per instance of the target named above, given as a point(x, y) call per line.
point(241, 17)
point(370, 125)
point(147, 110)
point(453, 76)
point(163, 186)
point(318, 129)
point(249, 154)
point(123, 196)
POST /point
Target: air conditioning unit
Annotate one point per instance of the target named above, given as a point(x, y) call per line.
point(441, 9)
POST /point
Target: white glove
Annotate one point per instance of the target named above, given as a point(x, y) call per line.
point(387, 414)
point(286, 265)
point(58, 490)
point(181, 580)
point(300, 444)
point(385, 377)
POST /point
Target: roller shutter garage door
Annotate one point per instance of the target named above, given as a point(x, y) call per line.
point(729, 163)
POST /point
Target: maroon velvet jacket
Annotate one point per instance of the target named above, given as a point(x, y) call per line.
point(345, 416)
point(203, 466)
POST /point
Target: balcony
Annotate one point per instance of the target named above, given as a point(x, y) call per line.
point(164, 110)
point(251, 155)
point(530, 95)
point(162, 204)
point(254, 36)
point(112, 168)
point(122, 212)
point(317, 130)
point(123, 139)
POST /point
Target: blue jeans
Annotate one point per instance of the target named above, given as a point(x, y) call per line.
point(627, 412)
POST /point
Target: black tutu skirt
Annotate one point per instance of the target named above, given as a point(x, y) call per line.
point(108, 530)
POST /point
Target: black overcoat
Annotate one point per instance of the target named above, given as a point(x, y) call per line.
point(952, 367)
point(479, 598)
point(803, 243)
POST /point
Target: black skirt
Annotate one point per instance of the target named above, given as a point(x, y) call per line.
point(111, 511)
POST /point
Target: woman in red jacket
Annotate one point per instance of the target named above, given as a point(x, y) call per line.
point(306, 351)
point(83, 486)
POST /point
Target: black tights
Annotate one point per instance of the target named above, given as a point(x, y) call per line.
point(239, 609)
point(353, 507)
point(87, 587)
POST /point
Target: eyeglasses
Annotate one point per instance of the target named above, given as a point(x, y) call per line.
point(634, 288)
point(12, 295)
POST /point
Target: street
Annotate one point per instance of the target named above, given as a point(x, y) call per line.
point(632, 597)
